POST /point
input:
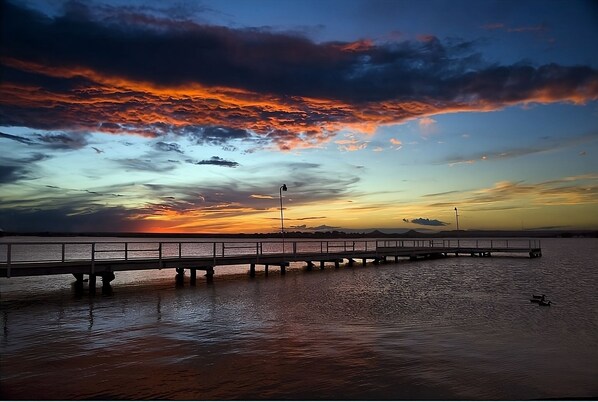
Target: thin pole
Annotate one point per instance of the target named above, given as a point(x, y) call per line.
point(457, 216)
point(282, 218)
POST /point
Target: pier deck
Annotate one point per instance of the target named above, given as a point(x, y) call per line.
point(105, 258)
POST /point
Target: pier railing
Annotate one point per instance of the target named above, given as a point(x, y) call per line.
point(65, 252)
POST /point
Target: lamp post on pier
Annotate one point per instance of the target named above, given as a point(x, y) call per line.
point(457, 216)
point(282, 188)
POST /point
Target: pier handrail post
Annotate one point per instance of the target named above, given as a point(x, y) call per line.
point(8, 258)
point(126, 251)
point(160, 254)
point(294, 248)
point(62, 258)
point(93, 258)
point(214, 252)
point(180, 246)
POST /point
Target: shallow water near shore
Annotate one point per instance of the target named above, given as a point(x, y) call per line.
point(453, 328)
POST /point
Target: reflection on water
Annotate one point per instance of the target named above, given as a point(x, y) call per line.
point(456, 328)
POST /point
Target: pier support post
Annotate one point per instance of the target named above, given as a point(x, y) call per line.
point(107, 277)
point(363, 260)
point(351, 262)
point(180, 271)
point(79, 277)
point(92, 282)
point(252, 270)
point(266, 269)
point(396, 258)
point(283, 268)
point(209, 274)
point(310, 265)
point(192, 276)
point(336, 264)
point(322, 264)
point(376, 261)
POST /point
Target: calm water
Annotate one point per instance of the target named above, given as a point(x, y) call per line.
point(455, 328)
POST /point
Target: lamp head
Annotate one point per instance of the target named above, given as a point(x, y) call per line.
point(284, 187)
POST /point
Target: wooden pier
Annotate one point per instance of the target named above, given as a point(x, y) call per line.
point(104, 259)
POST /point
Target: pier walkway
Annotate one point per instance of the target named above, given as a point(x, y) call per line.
point(103, 259)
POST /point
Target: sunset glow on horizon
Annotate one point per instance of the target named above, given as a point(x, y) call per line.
point(140, 116)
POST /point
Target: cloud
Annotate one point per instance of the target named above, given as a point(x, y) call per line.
point(145, 165)
point(168, 147)
point(16, 169)
point(315, 228)
point(62, 141)
point(22, 140)
point(10, 174)
point(200, 204)
point(549, 145)
point(426, 122)
point(397, 143)
point(69, 218)
point(91, 64)
point(574, 190)
point(217, 135)
point(217, 161)
point(507, 28)
point(428, 222)
point(351, 144)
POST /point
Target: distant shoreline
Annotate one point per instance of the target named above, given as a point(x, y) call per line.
point(329, 234)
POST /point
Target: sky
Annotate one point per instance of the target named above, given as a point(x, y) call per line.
point(188, 117)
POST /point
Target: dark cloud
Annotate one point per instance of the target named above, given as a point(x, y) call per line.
point(215, 135)
point(168, 147)
point(16, 169)
point(145, 165)
point(62, 141)
point(10, 174)
point(428, 222)
point(69, 218)
point(309, 218)
point(216, 161)
point(66, 54)
point(22, 140)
